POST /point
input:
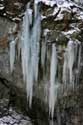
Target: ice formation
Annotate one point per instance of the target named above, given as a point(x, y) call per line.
point(12, 54)
point(65, 69)
point(68, 63)
point(52, 89)
point(30, 49)
point(43, 54)
point(71, 56)
point(79, 57)
point(77, 71)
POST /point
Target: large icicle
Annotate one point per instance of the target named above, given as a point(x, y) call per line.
point(36, 32)
point(70, 50)
point(30, 50)
point(25, 47)
point(53, 87)
point(25, 53)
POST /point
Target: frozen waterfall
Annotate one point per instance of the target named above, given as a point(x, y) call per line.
point(29, 46)
point(35, 56)
point(30, 50)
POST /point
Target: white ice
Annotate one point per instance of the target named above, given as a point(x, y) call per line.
point(12, 54)
point(53, 87)
point(30, 50)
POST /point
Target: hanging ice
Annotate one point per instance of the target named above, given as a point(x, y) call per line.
point(19, 45)
point(12, 54)
point(69, 58)
point(35, 45)
point(43, 54)
point(25, 47)
point(65, 69)
point(53, 86)
point(79, 57)
point(78, 60)
point(70, 51)
point(30, 50)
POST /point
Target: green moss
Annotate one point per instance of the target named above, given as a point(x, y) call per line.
point(58, 37)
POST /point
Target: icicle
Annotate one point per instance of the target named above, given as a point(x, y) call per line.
point(77, 73)
point(72, 56)
point(25, 44)
point(35, 8)
point(79, 57)
point(25, 53)
point(36, 32)
point(70, 50)
point(30, 16)
point(53, 87)
point(43, 53)
point(65, 69)
point(69, 58)
point(19, 46)
point(30, 51)
point(12, 54)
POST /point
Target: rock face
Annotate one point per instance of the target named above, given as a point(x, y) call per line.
point(7, 30)
point(60, 23)
point(10, 116)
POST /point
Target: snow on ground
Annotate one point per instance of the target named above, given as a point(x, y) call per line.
point(11, 116)
point(14, 118)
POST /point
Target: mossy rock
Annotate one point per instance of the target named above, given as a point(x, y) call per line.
point(75, 35)
point(69, 101)
point(58, 37)
point(67, 15)
point(80, 35)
